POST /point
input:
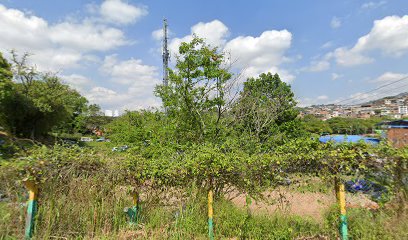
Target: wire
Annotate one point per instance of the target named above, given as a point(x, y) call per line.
point(380, 87)
point(376, 94)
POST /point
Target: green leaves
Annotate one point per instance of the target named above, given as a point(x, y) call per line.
point(194, 97)
point(264, 104)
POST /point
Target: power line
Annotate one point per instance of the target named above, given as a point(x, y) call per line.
point(376, 95)
point(380, 87)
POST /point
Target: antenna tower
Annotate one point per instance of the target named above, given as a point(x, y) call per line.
point(165, 55)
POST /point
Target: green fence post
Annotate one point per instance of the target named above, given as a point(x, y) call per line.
point(134, 212)
point(31, 208)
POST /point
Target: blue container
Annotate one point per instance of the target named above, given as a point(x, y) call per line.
point(348, 139)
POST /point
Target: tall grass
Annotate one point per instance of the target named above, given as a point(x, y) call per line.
point(83, 197)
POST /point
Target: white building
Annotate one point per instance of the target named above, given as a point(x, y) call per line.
point(403, 110)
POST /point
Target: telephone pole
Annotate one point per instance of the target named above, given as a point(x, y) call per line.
point(165, 55)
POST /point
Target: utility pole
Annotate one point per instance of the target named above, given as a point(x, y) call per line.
point(165, 55)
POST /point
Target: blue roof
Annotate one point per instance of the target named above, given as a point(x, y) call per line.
point(348, 138)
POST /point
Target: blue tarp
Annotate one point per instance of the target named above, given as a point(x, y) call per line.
point(348, 138)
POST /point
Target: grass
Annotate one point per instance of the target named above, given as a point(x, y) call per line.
point(85, 200)
point(86, 214)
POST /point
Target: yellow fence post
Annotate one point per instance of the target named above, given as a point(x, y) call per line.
point(31, 207)
point(341, 198)
point(210, 214)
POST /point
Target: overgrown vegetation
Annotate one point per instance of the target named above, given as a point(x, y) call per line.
point(212, 136)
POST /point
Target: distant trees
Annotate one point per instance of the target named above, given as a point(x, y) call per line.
point(314, 125)
point(37, 102)
point(353, 125)
point(340, 125)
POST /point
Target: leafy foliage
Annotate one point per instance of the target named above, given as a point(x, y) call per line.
point(265, 102)
point(37, 102)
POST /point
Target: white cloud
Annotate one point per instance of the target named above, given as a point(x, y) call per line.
point(335, 22)
point(86, 36)
point(215, 33)
point(319, 64)
point(350, 57)
point(388, 36)
point(138, 79)
point(389, 77)
point(78, 82)
point(117, 11)
point(261, 54)
point(373, 5)
point(254, 55)
point(55, 46)
point(131, 71)
point(157, 34)
point(336, 76)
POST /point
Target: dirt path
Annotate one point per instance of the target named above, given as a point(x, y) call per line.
point(307, 204)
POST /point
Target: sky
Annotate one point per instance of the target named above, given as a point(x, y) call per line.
point(110, 51)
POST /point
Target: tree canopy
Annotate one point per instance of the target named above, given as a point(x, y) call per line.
point(37, 102)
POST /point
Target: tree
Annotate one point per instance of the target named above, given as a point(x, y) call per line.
point(6, 77)
point(39, 101)
point(264, 103)
point(195, 101)
point(24, 73)
point(315, 125)
point(6, 86)
point(195, 95)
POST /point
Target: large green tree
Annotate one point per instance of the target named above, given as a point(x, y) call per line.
point(6, 77)
point(38, 101)
point(265, 103)
point(6, 86)
point(195, 95)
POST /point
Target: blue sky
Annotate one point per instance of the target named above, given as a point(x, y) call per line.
point(110, 50)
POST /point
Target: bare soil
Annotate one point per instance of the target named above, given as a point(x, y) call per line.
point(307, 204)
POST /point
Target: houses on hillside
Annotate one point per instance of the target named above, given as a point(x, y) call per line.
point(394, 107)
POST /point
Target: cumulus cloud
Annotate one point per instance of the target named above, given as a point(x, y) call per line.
point(215, 33)
point(254, 55)
point(261, 54)
point(157, 34)
point(120, 12)
point(388, 36)
point(86, 36)
point(138, 79)
point(55, 46)
point(131, 71)
point(78, 82)
point(335, 22)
